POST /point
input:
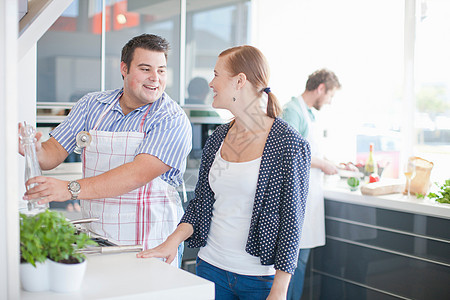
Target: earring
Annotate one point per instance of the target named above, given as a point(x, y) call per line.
point(234, 99)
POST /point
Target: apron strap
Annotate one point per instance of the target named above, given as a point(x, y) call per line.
point(141, 126)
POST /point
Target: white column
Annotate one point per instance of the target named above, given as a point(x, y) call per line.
point(9, 225)
point(409, 96)
point(182, 60)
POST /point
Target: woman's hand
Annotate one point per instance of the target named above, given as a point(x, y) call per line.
point(276, 296)
point(166, 250)
point(48, 189)
point(280, 286)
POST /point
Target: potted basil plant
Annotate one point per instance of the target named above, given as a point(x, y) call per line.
point(58, 240)
point(33, 255)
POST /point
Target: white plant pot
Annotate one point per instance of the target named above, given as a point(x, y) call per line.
point(66, 278)
point(35, 279)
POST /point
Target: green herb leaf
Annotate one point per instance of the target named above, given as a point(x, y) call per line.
point(443, 195)
point(50, 235)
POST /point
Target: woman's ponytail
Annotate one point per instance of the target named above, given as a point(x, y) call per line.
point(273, 105)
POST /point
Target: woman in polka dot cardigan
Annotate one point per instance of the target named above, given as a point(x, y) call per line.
point(250, 198)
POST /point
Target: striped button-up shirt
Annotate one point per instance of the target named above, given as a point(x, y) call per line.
point(168, 132)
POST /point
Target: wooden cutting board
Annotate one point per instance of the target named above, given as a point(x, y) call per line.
point(383, 187)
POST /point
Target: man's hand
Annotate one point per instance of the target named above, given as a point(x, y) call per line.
point(329, 168)
point(50, 153)
point(37, 137)
point(48, 189)
point(324, 165)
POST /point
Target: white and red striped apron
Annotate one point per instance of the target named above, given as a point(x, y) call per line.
point(147, 215)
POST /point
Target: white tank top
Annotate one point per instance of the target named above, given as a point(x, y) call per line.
point(234, 187)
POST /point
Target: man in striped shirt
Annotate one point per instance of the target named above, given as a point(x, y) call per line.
point(140, 141)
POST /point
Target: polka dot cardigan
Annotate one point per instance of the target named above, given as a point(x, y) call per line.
point(280, 198)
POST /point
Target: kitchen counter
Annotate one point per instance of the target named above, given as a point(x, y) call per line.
point(123, 276)
point(338, 190)
point(381, 247)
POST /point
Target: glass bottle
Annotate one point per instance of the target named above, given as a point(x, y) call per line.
point(32, 167)
point(371, 165)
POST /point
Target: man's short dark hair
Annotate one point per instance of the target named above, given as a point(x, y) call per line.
point(322, 76)
point(146, 41)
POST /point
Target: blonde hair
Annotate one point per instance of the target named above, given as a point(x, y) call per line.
point(250, 61)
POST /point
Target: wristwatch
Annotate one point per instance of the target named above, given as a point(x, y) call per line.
point(74, 188)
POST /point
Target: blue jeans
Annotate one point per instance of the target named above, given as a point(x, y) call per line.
point(296, 285)
point(230, 285)
point(180, 212)
point(180, 254)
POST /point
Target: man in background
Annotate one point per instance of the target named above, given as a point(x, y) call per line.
point(320, 89)
point(198, 89)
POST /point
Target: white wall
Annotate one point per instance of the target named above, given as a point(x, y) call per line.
point(17, 103)
point(274, 33)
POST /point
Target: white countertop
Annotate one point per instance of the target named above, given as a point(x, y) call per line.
point(339, 191)
point(123, 276)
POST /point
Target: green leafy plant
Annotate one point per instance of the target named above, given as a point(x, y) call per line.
point(31, 248)
point(443, 195)
point(50, 235)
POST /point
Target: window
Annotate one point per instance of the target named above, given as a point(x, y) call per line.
point(131, 18)
point(392, 60)
point(69, 54)
point(73, 59)
point(432, 86)
point(211, 27)
point(362, 42)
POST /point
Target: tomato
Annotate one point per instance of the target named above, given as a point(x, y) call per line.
point(374, 178)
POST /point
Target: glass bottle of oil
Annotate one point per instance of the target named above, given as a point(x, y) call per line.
point(371, 165)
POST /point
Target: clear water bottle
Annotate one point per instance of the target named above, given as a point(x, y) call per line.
point(32, 167)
